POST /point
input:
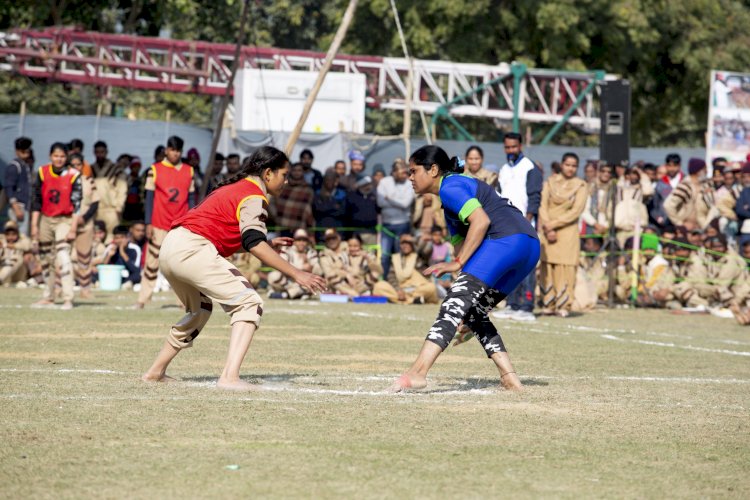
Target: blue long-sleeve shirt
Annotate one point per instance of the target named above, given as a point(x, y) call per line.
point(742, 208)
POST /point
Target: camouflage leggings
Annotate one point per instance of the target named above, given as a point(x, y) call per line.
point(468, 300)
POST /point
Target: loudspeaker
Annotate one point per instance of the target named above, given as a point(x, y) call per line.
point(614, 136)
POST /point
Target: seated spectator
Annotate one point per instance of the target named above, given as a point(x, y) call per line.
point(364, 267)
point(742, 206)
point(654, 276)
point(124, 253)
point(591, 275)
point(334, 261)
point(427, 214)
point(413, 287)
point(292, 208)
point(688, 272)
point(725, 270)
point(739, 306)
point(362, 210)
point(251, 268)
point(302, 256)
point(15, 250)
point(329, 204)
point(435, 250)
point(137, 234)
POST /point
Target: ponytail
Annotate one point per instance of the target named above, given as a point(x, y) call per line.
point(430, 155)
point(263, 158)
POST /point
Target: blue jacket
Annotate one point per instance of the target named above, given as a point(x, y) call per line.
point(18, 182)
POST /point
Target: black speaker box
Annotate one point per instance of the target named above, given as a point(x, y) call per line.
point(614, 145)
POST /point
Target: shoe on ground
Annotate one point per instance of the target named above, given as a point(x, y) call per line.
point(278, 295)
point(523, 316)
point(418, 300)
point(504, 313)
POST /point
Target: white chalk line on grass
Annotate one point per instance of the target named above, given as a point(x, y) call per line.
point(671, 344)
point(64, 370)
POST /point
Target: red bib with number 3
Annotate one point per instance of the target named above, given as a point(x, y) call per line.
point(56, 191)
point(172, 188)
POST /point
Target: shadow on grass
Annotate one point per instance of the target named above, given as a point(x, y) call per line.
point(289, 378)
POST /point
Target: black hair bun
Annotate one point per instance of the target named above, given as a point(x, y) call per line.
point(457, 165)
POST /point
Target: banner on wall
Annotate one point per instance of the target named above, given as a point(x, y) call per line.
point(729, 116)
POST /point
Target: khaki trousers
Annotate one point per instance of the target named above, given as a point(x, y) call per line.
point(13, 271)
point(111, 220)
point(558, 283)
point(54, 254)
point(151, 267)
point(83, 245)
point(199, 275)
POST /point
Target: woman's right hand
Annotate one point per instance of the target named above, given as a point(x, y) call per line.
point(310, 282)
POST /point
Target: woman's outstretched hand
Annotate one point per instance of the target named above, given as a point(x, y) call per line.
point(442, 268)
point(310, 282)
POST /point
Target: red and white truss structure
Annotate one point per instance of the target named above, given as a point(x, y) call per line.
point(68, 55)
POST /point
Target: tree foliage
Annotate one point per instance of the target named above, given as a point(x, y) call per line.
point(665, 48)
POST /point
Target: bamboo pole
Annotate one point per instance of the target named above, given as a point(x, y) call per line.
point(225, 98)
point(332, 50)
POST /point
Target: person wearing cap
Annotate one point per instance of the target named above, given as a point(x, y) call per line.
point(362, 210)
point(413, 287)
point(293, 207)
point(301, 255)
point(725, 271)
point(14, 248)
point(313, 177)
point(334, 262)
point(17, 184)
point(395, 199)
point(691, 203)
point(742, 206)
point(356, 170)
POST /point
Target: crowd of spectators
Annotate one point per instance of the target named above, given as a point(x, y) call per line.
point(364, 230)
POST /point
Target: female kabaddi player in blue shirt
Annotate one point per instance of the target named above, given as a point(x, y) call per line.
point(496, 247)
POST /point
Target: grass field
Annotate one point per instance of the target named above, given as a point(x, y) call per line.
point(617, 404)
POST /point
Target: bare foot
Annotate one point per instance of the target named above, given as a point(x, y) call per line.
point(138, 306)
point(408, 383)
point(86, 294)
point(511, 382)
point(236, 385)
point(148, 377)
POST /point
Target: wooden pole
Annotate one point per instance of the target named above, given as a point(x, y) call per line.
point(406, 133)
point(22, 118)
point(225, 98)
point(332, 50)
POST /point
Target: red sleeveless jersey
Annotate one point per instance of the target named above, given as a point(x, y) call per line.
point(56, 191)
point(171, 191)
point(217, 218)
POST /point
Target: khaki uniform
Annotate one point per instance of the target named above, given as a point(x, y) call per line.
point(410, 280)
point(335, 266)
point(199, 276)
point(686, 275)
point(724, 278)
point(483, 175)
point(591, 281)
point(84, 241)
point(281, 283)
point(249, 265)
point(52, 234)
point(112, 187)
point(12, 265)
point(654, 276)
point(563, 201)
point(365, 270)
point(424, 218)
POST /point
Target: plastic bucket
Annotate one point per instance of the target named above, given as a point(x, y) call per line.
point(110, 277)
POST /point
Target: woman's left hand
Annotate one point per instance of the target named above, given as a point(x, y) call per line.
point(280, 242)
point(442, 268)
